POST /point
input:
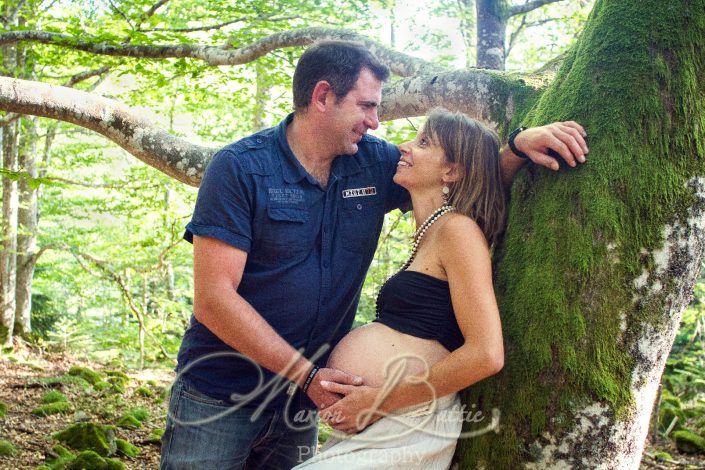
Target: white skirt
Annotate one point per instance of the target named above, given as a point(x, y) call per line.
point(420, 437)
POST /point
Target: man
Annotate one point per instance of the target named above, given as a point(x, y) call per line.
point(285, 226)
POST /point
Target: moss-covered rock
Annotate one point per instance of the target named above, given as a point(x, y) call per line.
point(89, 460)
point(53, 396)
point(126, 448)
point(688, 442)
point(128, 421)
point(155, 437)
point(59, 458)
point(133, 418)
point(7, 448)
point(3, 409)
point(52, 409)
point(89, 436)
point(144, 392)
point(118, 380)
point(89, 375)
point(102, 385)
point(70, 380)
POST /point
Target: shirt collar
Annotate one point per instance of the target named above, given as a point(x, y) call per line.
point(292, 169)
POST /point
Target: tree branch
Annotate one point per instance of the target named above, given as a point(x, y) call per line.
point(174, 156)
point(400, 63)
point(153, 9)
point(485, 95)
point(529, 6)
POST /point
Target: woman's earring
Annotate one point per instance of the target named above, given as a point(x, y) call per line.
point(446, 192)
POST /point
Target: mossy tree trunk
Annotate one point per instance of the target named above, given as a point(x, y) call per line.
point(599, 261)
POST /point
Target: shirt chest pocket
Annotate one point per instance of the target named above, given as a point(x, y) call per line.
point(286, 233)
point(361, 223)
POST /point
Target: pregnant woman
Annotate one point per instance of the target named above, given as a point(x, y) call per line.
point(437, 329)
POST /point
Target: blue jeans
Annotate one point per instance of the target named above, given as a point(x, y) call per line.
point(204, 433)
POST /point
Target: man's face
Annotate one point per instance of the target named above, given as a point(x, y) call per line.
point(355, 113)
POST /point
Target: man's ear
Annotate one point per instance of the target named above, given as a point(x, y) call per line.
point(320, 95)
point(452, 173)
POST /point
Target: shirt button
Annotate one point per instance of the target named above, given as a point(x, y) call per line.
point(259, 141)
point(359, 207)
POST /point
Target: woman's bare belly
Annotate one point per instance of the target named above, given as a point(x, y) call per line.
point(380, 354)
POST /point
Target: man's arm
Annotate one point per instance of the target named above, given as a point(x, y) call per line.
point(218, 269)
point(565, 138)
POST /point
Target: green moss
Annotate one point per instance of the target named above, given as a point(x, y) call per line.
point(118, 381)
point(126, 448)
point(53, 396)
point(144, 392)
point(52, 409)
point(661, 456)
point(155, 437)
point(89, 460)
point(7, 448)
point(102, 385)
point(577, 239)
point(90, 376)
point(129, 422)
point(60, 459)
point(141, 414)
point(688, 442)
point(3, 409)
point(71, 380)
point(89, 436)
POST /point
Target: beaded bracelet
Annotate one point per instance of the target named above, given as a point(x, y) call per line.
point(310, 377)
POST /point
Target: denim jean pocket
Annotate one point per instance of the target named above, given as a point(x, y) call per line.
point(190, 393)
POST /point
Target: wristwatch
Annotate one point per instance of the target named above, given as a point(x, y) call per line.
point(512, 146)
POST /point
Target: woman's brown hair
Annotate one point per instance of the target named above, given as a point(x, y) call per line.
point(478, 191)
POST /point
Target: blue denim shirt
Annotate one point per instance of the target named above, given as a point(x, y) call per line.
point(308, 248)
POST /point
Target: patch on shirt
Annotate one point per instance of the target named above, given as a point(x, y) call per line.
point(358, 192)
point(286, 196)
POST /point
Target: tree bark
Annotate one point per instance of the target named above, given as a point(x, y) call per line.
point(599, 261)
point(8, 255)
point(491, 29)
point(27, 229)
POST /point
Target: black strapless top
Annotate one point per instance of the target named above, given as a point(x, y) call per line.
point(417, 304)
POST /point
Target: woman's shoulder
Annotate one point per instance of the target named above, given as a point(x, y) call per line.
point(460, 228)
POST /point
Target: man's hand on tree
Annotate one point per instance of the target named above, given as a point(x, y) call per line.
point(323, 398)
point(566, 139)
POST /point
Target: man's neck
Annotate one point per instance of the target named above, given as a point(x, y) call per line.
point(309, 149)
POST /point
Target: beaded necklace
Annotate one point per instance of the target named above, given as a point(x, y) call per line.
point(418, 237)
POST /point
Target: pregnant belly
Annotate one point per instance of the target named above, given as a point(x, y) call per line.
point(380, 354)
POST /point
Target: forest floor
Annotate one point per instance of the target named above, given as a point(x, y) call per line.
point(23, 383)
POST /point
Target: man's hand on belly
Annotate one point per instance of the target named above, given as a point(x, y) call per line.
point(358, 408)
point(323, 398)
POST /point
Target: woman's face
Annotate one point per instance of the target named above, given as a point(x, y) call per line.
point(422, 164)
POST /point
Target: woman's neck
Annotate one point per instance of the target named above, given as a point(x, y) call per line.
point(424, 205)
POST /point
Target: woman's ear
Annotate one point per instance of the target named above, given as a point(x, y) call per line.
point(451, 173)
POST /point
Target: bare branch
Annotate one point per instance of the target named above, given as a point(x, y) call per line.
point(529, 6)
point(128, 128)
point(514, 35)
point(75, 79)
point(400, 63)
point(474, 92)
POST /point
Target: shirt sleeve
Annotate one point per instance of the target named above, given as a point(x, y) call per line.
point(398, 197)
point(224, 204)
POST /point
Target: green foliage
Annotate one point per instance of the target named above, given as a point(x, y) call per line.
point(3, 409)
point(7, 448)
point(90, 376)
point(128, 421)
point(53, 396)
point(688, 442)
point(52, 408)
point(126, 448)
point(89, 436)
